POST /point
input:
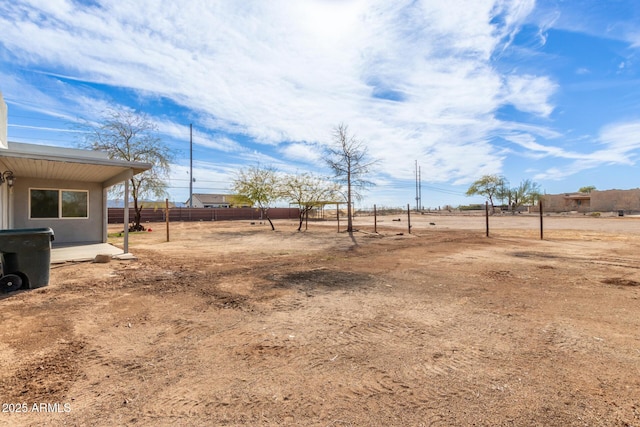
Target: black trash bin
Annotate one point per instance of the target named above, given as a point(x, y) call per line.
point(620, 213)
point(26, 257)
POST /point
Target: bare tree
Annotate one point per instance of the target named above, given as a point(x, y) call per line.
point(130, 136)
point(349, 160)
point(260, 186)
point(308, 191)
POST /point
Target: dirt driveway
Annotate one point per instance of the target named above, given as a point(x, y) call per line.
point(233, 324)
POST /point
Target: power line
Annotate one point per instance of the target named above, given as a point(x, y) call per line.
point(442, 190)
point(34, 118)
point(20, 138)
point(200, 180)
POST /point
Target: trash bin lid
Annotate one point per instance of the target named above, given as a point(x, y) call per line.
point(25, 231)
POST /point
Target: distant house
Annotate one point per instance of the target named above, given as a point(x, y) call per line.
point(595, 201)
point(200, 200)
point(61, 188)
point(567, 202)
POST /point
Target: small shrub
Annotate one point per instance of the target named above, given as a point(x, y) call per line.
point(471, 207)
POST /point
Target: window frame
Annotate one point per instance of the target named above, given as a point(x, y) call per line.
point(59, 191)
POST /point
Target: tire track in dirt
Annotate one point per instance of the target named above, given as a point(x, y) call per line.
point(180, 404)
point(568, 339)
point(150, 349)
point(413, 383)
point(444, 371)
point(200, 336)
point(46, 376)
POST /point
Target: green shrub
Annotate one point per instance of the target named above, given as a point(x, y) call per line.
point(471, 207)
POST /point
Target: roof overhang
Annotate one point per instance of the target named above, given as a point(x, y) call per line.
point(45, 162)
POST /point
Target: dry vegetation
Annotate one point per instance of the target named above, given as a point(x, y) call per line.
point(232, 324)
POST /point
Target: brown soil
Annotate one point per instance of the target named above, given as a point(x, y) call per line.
point(233, 324)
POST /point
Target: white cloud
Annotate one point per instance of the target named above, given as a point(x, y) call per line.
point(573, 168)
point(620, 142)
point(309, 153)
point(414, 79)
point(530, 94)
point(181, 132)
point(621, 137)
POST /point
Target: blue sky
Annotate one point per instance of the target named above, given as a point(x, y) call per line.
point(540, 90)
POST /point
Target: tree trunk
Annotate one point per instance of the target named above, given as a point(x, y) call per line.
point(137, 217)
point(265, 212)
point(349, 213)
point(304, 217)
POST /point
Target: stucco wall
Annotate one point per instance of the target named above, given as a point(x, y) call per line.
point(4, 202)
point(613, 200)
point(563, 203)
point(3, 123)
point(554, 202)
point(601, 201)
point(66, 230)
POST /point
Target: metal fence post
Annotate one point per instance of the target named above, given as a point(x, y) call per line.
point(486, 214)
point(541, 226)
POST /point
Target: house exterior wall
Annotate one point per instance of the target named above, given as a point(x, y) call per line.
point(66, 230)
point(553, 202)
point(4, 193)
point(613, 200)
point(197, 203)
point(564, 203)
point(210, 201)
point(4, 202)
point(598, 201)
point(3, 123)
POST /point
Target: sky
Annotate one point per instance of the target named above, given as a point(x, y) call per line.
point(542, 90)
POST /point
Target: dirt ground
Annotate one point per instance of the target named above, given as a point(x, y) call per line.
point(230, 323)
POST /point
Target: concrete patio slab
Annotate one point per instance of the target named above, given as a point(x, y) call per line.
point(80, 253)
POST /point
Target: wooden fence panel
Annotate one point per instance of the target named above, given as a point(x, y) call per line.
point(116, 215)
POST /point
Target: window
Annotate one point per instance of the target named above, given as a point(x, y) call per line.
point(74, 204)
point(44, 203)
point(59, 203)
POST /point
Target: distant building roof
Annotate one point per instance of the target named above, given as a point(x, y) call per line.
point(213, 198)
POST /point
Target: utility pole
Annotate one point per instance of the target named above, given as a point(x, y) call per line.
point(417, 195)
point(190, 165)
point(420, 188)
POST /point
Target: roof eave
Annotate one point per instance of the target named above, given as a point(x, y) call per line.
point(138, 167)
